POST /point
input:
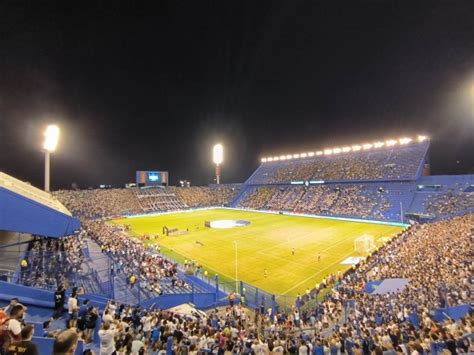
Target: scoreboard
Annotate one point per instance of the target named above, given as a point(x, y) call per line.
point(152, 178)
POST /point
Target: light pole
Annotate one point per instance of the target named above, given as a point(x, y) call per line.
point(218, 157)
point(49, 145)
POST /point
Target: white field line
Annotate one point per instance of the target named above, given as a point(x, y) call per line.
point(316, 274)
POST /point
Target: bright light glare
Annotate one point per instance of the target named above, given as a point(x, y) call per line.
point(218, 154)
point(51, 138)
point(346, 149)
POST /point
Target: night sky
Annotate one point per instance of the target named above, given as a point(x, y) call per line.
point(153, 88)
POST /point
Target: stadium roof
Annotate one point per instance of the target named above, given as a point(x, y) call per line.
point(26, 209)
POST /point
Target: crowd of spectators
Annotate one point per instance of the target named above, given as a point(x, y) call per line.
point(98, 203)
point(159, 199)
point(450, 203)
point(92, 204)
point(50, 262)
point(203, 196)
point(396, 163)
point(436, 259)
point(137, 262)
point(345, 200)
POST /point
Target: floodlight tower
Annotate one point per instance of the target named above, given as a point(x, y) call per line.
point(218, 157)
point(49, 145)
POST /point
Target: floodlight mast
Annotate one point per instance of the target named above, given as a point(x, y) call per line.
point(218, 157)
point(49, 146)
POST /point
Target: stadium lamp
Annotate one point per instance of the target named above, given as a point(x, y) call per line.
point(367, 146)
point(311, 154)
point(336, 150)
point(422, 138)
point(378, 144)
point(319, 152)
point(356, 148)
point(218, 157)
point(390, 142)
point(404, 140)
point(49, 145)
point(327, 151)
point(303, 155)
point(346, 149)
point(296, 156)
point(289, 156)
point(282, 157)
point(264, 160)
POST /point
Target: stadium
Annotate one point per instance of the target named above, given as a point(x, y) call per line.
point(304, 232)
point(237, 177)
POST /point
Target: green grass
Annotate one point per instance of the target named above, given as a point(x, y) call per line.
point(266, 243)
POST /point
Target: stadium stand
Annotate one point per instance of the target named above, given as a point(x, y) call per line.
point(428, 311)
point(441, 197)
point(27, 209)
point(350, 319)
point(100, 203)
point(391, 163)
point(377, 201)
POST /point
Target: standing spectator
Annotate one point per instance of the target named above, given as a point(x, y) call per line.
point(14, 325)
point(25, 346)
point(59, 297)
point(107, 339)
point(72, 309)
point(90, 323)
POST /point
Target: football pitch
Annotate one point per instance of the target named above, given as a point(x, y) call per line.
point(297, 252)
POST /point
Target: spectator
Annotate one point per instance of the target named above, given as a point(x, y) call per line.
point(25, 346)
point(65, 343)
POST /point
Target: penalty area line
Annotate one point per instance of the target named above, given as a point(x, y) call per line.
point(316, 274)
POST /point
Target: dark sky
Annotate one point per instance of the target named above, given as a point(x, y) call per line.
point(155, 87)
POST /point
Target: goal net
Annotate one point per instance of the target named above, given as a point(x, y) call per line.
point(364, 244)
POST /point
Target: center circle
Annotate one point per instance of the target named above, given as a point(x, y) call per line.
point(228, 223)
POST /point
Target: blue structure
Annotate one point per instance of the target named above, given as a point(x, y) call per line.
point(399, 187)
point(20, 214)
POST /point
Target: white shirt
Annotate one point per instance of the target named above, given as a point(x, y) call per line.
point(136, 346)
point(303, 350)
point(147, 324)
point(107, 342)
point(14, 326)
point(71, 305)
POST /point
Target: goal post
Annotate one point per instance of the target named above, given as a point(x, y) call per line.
point(364, 244)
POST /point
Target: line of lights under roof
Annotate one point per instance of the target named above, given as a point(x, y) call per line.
point(347, 149)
